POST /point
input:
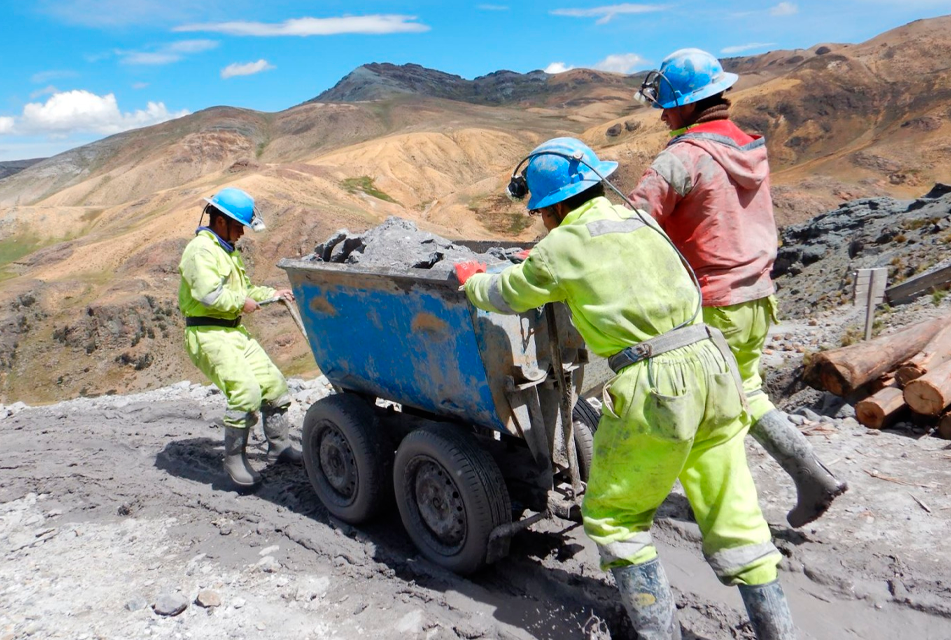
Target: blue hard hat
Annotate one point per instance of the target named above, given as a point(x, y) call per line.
point(686, 76)
point(561, 168)
point(237, 205)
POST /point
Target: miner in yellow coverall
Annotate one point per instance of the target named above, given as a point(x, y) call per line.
point(709, 191)
point(214, 292)
point(674, 410)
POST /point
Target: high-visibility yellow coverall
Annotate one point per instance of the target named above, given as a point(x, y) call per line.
point(677, 415)
point(215, 285)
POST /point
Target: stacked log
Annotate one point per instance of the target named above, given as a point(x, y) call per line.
point(905, 374)
point(843, 371)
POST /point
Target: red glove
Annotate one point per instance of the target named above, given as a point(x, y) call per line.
point(523, 254)
point(465, 270)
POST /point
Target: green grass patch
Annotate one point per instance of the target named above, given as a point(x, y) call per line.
point(14, 248)
point(364, 184)
point(92, 215)
point(500, 215)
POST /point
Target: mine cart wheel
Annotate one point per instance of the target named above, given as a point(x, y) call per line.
point(346, 457)
point(587, 414)
point(451, 495)
point(584, 448)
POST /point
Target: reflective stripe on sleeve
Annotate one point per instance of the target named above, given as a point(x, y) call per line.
point(625, 549)
point(495, 296)
point(212, 297)
point(672, 169)
point(728, 562)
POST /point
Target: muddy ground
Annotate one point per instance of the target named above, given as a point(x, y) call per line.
point(115, 506)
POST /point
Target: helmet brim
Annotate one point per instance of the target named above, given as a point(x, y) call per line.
point(725, 82)
point(256, 223)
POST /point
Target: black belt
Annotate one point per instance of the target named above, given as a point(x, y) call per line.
point(204, 321)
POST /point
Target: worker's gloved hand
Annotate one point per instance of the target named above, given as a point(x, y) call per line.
point(287, 294)
point(522, 255)
point(465, 270)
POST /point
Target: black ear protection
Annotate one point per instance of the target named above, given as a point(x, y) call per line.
point(517, 188)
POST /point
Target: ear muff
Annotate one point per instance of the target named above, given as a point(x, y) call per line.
point(518, 187)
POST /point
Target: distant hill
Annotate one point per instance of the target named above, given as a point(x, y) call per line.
point(9, 167)
point(383, 80)
point(90, 239)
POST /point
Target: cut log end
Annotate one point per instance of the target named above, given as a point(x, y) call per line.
point(880, 410)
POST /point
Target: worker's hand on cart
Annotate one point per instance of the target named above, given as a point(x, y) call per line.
point(465, 270)
point(250, 306)
point(287, 294)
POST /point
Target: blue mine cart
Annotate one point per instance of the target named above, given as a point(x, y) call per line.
point(463, 416)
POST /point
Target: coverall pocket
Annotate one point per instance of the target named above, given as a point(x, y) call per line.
point(607, 399)
point(723, 399)
point(673, 418)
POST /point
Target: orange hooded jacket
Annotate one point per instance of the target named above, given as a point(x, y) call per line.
point(709, 190)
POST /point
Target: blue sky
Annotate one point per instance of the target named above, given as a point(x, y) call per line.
point(75, 71)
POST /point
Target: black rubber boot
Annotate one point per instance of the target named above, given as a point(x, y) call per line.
point(816, 487)
point(769, 612)
point(236, 461)
point(276, 427)
point(648, 600)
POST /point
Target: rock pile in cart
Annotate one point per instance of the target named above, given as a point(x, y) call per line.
point(399, 244)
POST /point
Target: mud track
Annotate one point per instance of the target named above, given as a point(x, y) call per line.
point(110, 503)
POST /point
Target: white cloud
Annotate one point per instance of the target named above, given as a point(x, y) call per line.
point(740, 48)
point(71, 112)
point(557, 67)
point(45, 91)
point(139, 85)
point(608, 12)
point(111, 14)
point(621, 63)
point(626, 63)
point(246, 69)
point(493, 7)
point(45, 76)
point(784, 9)
point(166, 53)
point(372, 24)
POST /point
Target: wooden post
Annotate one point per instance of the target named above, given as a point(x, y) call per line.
point(870, 291)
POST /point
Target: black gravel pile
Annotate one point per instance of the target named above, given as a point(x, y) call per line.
point(399, 244)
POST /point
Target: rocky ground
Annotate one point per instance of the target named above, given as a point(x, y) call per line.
point(116, 521)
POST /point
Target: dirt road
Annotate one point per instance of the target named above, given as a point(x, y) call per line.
point(115, 505)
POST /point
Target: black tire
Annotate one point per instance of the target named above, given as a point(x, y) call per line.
point(584, 449)
point(347, 458)
point(587, 414)
point(463, 494)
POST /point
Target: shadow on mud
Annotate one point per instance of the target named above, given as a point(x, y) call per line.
point(542, 587)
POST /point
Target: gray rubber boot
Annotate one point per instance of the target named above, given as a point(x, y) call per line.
point(769, 612)
point(276, 427)
point(236, 461)
point(648, 600)
point(816, 487)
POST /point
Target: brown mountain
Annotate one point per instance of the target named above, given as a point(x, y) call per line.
point(90, 239)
